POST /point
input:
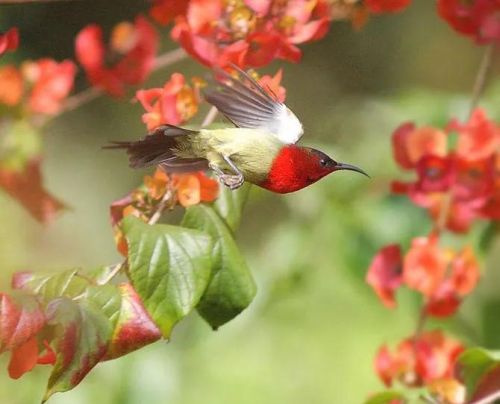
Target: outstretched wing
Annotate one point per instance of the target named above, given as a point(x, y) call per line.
point(244, 102)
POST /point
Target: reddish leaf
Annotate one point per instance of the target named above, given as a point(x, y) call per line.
point(21, 317)
point(81, 335)
point(24, 358)
point(134, 327)
point(26, 186)
point(488, 385)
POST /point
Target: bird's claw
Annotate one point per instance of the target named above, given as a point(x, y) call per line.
point(231, 181)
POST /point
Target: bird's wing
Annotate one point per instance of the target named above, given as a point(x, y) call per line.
point(247, 104)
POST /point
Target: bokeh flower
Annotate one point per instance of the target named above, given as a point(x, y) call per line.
point(129, 60)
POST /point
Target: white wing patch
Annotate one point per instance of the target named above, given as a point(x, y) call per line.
point(245, 103)
point(287, 126)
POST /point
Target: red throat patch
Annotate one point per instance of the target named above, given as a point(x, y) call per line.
point(293, 168)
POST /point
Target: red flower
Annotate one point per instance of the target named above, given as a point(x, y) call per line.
point(9, 41)
point(444, 302)
point(478, 19)
point(51, 81)
point(164, 11)
point(385, 274)
point(386, 6)
point(174, 104)
point(250, 33)
point(420, 360)
point(132, 49)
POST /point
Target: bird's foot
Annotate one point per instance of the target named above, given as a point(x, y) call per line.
point(232, 181)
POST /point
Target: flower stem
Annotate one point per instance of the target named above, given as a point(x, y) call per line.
point(481, 76)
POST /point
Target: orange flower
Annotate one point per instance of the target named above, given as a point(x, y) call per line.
point(479, 138)
point(273, 85)
point(194, 188)
point(157, 184)
point(175, 103)
point(52, 82)
point(410, 144)
point(424, 265)
point(464, 271)
point(11, 86)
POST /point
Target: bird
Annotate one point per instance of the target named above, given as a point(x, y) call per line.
point(260, 148)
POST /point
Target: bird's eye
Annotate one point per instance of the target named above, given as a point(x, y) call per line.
point(323, 162)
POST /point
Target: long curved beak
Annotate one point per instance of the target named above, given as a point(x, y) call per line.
point(350, 167)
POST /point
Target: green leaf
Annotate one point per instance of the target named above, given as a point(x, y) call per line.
point(52, 285)
point(386, 397)
point(21, 317)
point(169, 267)
point(19, 143)
point(82, 332)
point(480, 371)
point(232, 287)
point(229, 205)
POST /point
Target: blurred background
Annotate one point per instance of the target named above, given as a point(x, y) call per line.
point(313, 330)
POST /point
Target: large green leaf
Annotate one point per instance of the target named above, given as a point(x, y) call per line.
point(82, 332)
point(232, 287)
point(169, 267)
point(229, 205)
point(480, 371)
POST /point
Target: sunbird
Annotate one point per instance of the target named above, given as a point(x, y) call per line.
point(261, 148)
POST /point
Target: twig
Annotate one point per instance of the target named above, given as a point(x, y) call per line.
point(161, 207)
point(81, 98)
point(169, 58)
point(422, 318)
point(91, 93)
point(210, 117)
point(477, 91)
point(481, 77)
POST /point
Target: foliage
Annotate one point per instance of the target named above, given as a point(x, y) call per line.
point(75, 319)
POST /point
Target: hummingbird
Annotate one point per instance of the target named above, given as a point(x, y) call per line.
point(261, 148)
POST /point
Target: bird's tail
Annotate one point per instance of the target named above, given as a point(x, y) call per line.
point(158, 148)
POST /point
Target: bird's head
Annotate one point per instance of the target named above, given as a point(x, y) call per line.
point(296, 167)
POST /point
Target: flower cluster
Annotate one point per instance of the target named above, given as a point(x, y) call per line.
point(477, 19)
point(443, 276)
point(249, 33)
point(456, 184)
point(175, 103)
point(418, 360)
point(183, 189)
point(38, 87)
point(129, 60)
